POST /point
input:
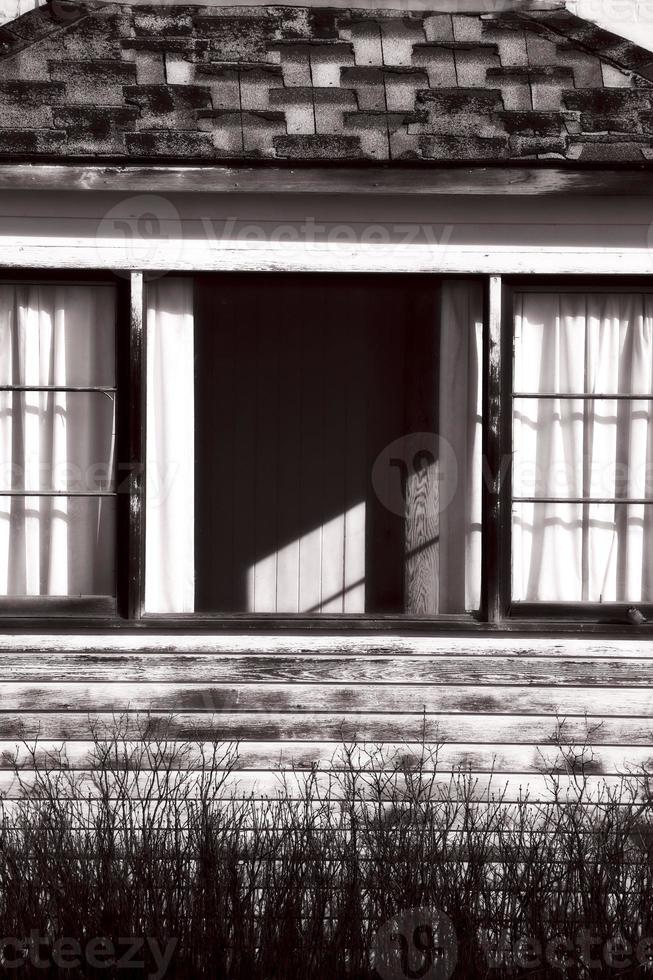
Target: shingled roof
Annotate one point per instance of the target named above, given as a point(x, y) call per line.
point(180, 83)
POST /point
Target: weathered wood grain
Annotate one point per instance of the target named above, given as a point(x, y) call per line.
point(529, 181)
point(83, 754)
point(482, 729)
point(351, 645)
point(193, 255)
point(333, 698)
point(264, 783)
point(175, 668)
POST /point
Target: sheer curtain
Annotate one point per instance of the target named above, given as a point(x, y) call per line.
point(61, 441)
point(170, 440)
point(461, 425)
point(574, 343)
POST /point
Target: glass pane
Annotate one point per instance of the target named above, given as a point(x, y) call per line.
point(584, 342)
point(57, 546)
point(336, 464)
point(57, 334)
point(582, 552)
point(57, 441)
point(582, 448)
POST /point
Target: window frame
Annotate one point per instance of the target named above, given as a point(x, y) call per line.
point(498, 614)
point(105, 610)
point(585, 614)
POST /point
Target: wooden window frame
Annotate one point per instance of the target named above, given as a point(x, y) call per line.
point(611, 615)
point(91, 611)
point(497, 614)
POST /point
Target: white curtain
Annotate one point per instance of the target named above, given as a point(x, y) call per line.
point(577, 343)
point(56, 441)
point(461, 425)
point(170, 441)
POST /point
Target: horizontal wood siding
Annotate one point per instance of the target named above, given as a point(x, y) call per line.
point(499, 706)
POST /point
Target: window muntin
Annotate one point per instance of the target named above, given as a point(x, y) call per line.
point(582, 514)
point(57, 439)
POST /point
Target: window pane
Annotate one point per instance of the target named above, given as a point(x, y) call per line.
point(57, 334)
point(337, 452)
point(57, 440)
point(57, 546)
point(583, 552)
point(582, 448)
point(584, 342)
point(593, 343)
point(63, 335)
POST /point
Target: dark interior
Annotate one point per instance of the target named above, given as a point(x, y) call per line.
point(301, 381)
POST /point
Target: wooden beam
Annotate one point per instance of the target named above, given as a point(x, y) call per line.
point(200, 255)
point(434, 6)
point(136, 488)
point(432, 179)
point(496, 457)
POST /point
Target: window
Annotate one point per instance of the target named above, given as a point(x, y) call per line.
point(582, 516)
point(58, 442)
point(332, 447)
point(316, 445)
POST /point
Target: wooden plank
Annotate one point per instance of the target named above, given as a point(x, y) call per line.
point(215, 390)
point(82, 754)
point(170, 668)
point(422, 521)
point(387, 323)
point(331, 698)
point(294, 332)
point(350, 645)
point(311, 458)
point(242, 463)
point(396, 220)
point(336, 352)
point(410, 180)
point(485, 729)
point(355, 454)
point(184, 255)
point(261, 784)
point(137, 448)
point(437, 6)
point(494, 588)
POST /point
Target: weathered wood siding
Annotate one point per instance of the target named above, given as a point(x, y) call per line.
point(496, 703)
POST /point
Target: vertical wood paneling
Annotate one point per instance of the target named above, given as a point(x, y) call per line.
point(356, 473)
point(266, 454)
point(421, 563)
point(214, 404)
point(303, 382)
point(293, 334)
point(243, 463)
point(310, 501)
point(335, 357)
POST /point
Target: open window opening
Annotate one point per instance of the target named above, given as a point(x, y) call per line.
point(314, 445)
